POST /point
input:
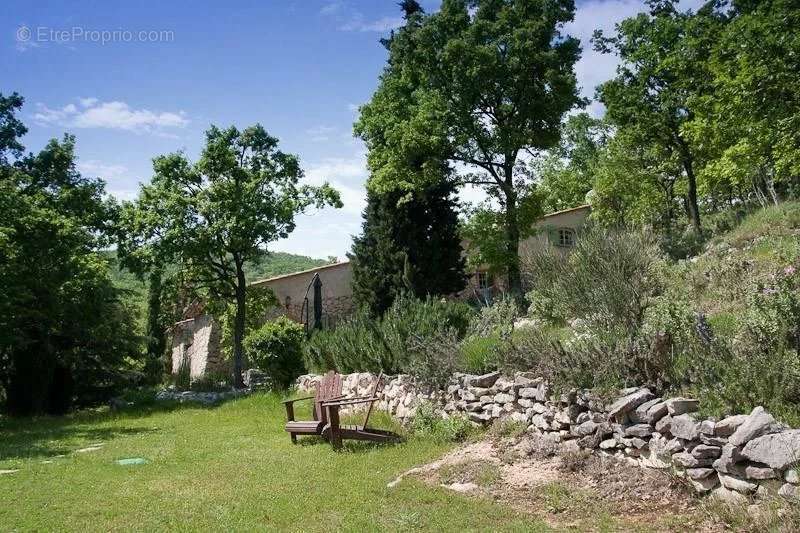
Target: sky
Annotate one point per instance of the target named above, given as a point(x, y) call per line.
point(133, 80)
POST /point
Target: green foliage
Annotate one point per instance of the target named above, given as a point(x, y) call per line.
point(407, 338)
point(211, 382)
point(277, 349)
point(607, 281)
point(480, 354)
point(260, 302)
point(213, 216)
point(429, 423)
point(568, 170)
point(458, 89)
point(273, 264)
point(182, 377)
point(409, 244)
point(67, 335)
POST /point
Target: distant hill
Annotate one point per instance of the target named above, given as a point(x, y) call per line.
point(272, 264)
point(278, 263)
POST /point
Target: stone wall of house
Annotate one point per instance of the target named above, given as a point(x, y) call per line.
point(197, 340)
point(735, 458)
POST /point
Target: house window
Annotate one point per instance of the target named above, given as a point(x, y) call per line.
point(566, 237)
point(484, 281)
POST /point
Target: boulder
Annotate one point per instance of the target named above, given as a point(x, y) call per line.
point(587, 428)
point(758, 423)
point(686, 460)
point(638, 430)
point(729, 457)
point(699, 473)
point(704, 484)
point(738, 484)
point(759, 472)
point(704, 451)
point(503, 397)
point(485, 380)
point(679, 406)
point(629, 402)
point(685, 427)
point(639, 415)
point(726, 426)
point(791, 476)
point(664, 425)
point(608, 444)
point(778, 450)
point(730, 497)
point(638, 443)
point(525, 379)
point(525, 402)
point(790, 492)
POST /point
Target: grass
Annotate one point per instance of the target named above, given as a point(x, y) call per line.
point(231, 467)
point(765, 242)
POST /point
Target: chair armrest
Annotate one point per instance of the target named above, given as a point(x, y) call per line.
point(350, 401)
point(297, 399)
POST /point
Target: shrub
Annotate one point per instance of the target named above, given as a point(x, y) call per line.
point(760, 364)
point(394, 344)
point(608, 280)
point(429, 423)
point(277, 349)
point(182, 379)
point(481, 354)
point(212, 382)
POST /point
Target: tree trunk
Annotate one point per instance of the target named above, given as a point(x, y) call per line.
point(238, 327)
point(514, 277)
point(694, 209)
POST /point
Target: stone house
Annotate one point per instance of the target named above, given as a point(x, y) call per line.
point(197, 338)
point(295, 292)
point(559, 229)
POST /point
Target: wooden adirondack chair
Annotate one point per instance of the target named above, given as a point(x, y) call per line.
point(334, 432)
point(328, 388)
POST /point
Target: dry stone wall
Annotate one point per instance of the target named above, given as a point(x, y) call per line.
point(734, 458)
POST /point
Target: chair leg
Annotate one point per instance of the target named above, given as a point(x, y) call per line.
point(293, 436)
point(333, 421)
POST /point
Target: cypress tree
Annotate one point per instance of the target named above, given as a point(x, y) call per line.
point(409, 243)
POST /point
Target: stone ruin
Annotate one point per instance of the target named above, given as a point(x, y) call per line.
point(197, 342)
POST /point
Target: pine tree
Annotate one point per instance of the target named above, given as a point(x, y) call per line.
point(409, 243)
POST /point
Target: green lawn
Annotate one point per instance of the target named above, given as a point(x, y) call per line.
point(226, 468)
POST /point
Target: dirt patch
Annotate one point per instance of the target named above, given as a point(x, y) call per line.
point(567, 488)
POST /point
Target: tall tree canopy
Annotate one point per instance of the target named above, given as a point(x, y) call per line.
point(476, 84)
point(409, 243)
point(660, 79)
point(212, 216)
point(65, 333)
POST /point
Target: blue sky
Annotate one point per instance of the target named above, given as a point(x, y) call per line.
point(298, 67)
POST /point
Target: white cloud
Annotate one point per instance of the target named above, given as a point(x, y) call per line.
point(349, 18)
point(117, 178)
point(348, 176)
point(110, 115)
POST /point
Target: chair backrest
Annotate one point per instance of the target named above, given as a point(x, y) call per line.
point(376, 389)
point(328, 388)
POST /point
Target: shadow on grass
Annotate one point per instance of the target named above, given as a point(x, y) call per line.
point(48, 436)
